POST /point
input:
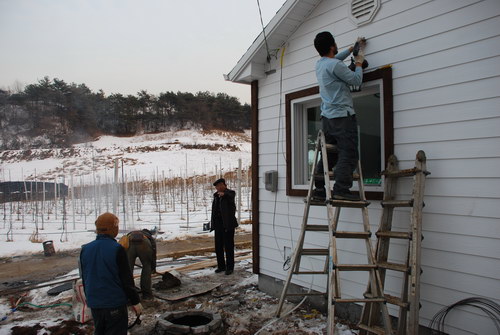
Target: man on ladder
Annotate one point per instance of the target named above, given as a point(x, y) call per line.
point(338, 118)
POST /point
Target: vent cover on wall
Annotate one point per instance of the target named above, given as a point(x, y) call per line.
point(363, 11)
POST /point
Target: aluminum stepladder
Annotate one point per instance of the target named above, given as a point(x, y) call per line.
point(409, 300)
point(332, 268)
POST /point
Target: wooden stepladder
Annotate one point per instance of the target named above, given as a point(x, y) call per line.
point(409, 300)
point(332, 267)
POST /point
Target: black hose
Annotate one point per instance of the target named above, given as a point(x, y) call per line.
point(489, 307)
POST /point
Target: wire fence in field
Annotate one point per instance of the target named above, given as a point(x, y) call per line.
point(70, 204)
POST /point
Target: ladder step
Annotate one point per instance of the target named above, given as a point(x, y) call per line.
point(346, 203)
point(401, 173)
point(391, 299)
point(316, 227)
point(393, 266)
point(314, 252)
point(315, 202)
point(339, 203)
point(305, 293)
point(358, 300)
point(397, 203)
point(355, 267)
point(394, 234)
point(374, 330)
point(352, 234)
point(310, 272)
point(355, 176)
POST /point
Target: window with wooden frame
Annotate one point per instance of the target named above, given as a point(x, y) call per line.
point(374, 112)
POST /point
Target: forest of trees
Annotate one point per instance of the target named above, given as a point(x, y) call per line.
point(62, 114)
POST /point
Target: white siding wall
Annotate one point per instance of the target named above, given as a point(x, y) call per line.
point(446, 76)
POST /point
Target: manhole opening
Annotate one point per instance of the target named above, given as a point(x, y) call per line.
point(191, 320)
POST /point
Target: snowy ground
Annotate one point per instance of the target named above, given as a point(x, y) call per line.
point(244, 309)
point(146, 157)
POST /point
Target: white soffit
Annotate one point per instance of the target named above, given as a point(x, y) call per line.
point(289, 17)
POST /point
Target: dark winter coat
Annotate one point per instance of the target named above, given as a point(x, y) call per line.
point(139, 236)
point(107, 278)
point(227, 208)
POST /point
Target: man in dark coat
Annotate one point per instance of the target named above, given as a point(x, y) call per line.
point(107, 279)
point(142, 244)
point(224, 222)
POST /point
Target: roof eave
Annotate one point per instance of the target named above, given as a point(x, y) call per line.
point(251, 65)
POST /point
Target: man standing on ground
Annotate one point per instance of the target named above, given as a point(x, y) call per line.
point(142, 244)
point(337, 113)
point(107, 279)
point(224, 223)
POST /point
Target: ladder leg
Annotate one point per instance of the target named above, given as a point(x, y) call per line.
point(416, 226)
point(333, 273)
point(403, 312)
point(371, 312)
point(375, 281)
point(300, 242)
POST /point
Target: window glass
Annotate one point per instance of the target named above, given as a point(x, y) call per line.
point(368, 106)
point(313, 125)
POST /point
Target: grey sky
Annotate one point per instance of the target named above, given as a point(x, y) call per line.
point(123, 46)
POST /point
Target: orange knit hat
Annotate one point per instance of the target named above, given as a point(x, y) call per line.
point(107, 223)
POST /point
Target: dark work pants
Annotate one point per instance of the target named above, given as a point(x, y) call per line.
point(144, 251)
point(224, 242)
point(342, 132)
point(110, 321)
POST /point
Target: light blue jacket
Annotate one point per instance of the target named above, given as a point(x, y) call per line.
point(333, 79)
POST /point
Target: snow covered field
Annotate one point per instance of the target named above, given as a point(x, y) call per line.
point(174, 170)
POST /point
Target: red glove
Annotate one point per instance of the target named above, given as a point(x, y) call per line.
point(137, 309)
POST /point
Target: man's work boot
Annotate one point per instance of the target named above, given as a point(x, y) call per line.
point(319, 194)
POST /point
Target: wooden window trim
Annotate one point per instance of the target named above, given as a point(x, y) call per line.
point(255, 177)
point(385, 74)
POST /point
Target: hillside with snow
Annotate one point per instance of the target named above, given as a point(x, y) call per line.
point(177, 153)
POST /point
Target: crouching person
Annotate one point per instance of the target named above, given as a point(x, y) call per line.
point(107, 279)
point(141, 244)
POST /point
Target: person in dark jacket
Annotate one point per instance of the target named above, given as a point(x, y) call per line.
point(107, 279)
point(224, 223)
point(142, 244)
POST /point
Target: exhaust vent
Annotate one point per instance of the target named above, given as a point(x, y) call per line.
point(363, 11)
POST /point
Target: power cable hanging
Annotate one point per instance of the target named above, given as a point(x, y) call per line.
point(264, 33)
point(286, 263)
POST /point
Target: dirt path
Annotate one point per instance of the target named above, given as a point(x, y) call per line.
point(36, 268)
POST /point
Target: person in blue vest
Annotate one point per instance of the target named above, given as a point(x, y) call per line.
point(224, 222)
point(107, 279)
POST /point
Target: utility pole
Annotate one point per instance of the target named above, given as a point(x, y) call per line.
point(123, 200)
point(115, 189)
point(239, 190)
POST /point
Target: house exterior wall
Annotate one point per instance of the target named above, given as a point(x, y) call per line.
point(445, 57)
